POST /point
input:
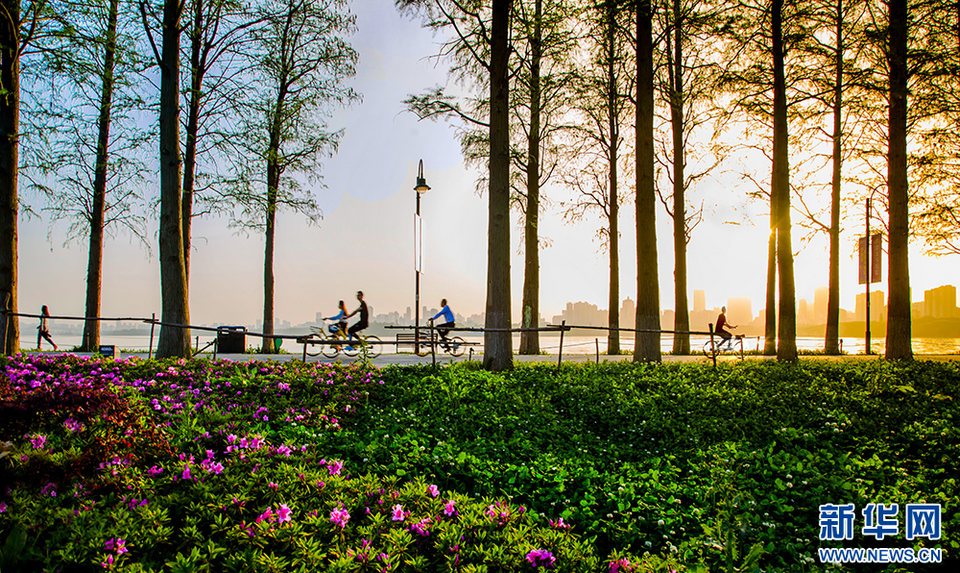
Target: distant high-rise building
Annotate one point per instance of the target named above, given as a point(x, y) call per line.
point(804, 314)
point(319, 319)
point(408, 316)
point(582, 314)
point(628, 314)
point(699, 301)
point(821, 295)
point(940, 302)
point(878, 309)
point(739, 310)
point(667, 319)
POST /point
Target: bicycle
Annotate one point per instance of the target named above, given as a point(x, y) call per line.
point(714, 346)
point(349, 347)
point(454, 345)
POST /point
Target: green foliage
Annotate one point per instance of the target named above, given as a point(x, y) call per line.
point(615, 467)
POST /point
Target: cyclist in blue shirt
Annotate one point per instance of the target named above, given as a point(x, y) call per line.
point(444, 328)
point(341, 324)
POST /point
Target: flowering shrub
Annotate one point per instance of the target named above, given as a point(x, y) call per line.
point(214, 465)
point(183, 466)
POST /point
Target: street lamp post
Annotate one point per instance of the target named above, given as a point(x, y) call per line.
point(420, 188)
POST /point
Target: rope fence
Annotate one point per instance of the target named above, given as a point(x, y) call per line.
point(311, 338)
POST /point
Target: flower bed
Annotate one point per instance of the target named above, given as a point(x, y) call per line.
point(194, 465)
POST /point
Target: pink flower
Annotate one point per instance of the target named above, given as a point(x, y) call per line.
point(449, 510)
point(283, 513)
point(541, 558)
point(335, 467)
point(339, 516)
point(398, 513)
point(3, 507)
point(433, 491)
point(559, 524)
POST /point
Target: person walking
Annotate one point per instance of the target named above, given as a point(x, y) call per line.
point(42, 331)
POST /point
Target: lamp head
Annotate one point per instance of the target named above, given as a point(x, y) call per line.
point(422, 186)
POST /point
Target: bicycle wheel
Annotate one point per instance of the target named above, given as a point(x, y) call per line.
point(373, 350)
point(352, 348)
point(457, 346)
point(709, 349)
point(424, 348)
point(329, 350)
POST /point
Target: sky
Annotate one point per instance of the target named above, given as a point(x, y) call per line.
point(365, 240)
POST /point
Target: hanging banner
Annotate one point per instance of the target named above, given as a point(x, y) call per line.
point(875, 257)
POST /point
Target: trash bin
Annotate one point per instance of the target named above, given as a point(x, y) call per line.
point(276, 345)
point(231, 339)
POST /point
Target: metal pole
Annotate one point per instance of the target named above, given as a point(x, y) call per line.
point(867, 314)
point(416, 263)
point(433, 345)
point(304, 350)
point(153, 325)
point(596, 341)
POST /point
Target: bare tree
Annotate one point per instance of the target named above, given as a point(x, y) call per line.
point(647, 347)
point(217, 34)
point(299, 60)
point(87, 163)
point(175, 306)
point(593, 161)
point(18, 29)
point(684, 81)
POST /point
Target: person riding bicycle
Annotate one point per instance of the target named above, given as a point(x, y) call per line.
point(341, 324)
point(726, 335)
point(364, 318)
point(444, 329)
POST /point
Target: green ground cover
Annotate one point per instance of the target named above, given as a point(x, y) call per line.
point(202, 465)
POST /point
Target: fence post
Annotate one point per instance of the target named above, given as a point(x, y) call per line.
point(713, 349)
point(304, 349)
point(563, 327)
point(6, 322)
point(596, 341)
point(153, 325)
point(433, 345)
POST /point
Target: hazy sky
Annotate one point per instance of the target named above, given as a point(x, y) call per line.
point(365, 240)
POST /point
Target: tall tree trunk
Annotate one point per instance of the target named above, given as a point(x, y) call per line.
point(273, 184)
point(787, 334)
point(613, 111)
point(193, 127)
point(498, 346)
point(831, 343)
point(770, 312)
point(530, 341)
point(91, 328)
point(9, 143)
point(681, 323)
point(898, 275)
point(647, 346)
point(173, 341)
